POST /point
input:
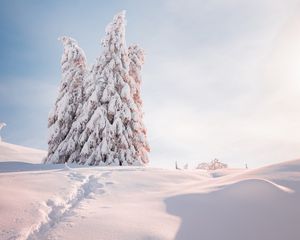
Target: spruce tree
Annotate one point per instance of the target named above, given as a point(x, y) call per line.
point(73, 67)
point(72, 145)
point(106, 137)
point(136, 56)
point(98, 118)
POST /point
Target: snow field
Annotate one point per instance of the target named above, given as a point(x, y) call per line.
point(73, 202)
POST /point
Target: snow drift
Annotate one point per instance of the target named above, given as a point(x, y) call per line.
point(12, 152)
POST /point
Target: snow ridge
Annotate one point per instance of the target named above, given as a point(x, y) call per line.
point(60, 209)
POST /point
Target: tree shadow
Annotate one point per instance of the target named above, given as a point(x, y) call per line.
point(15, 166)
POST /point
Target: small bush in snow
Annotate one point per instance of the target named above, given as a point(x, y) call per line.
point(203, 166)
point(213, 165)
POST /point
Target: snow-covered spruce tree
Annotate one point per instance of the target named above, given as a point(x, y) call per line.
point(70, 96)
point(107, 138)
point(136, 56)
point(106, 126)
point(72, 145)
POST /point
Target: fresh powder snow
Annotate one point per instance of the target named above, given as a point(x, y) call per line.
point(72, 202)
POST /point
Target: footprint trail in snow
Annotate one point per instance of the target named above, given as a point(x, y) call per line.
point(61, 209)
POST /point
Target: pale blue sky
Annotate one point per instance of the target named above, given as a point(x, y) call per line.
point(221, 78)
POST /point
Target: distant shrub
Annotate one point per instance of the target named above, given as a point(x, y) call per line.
point(213, 165)
point(203, 166)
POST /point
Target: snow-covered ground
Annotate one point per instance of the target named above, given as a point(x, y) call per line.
point(103, 203)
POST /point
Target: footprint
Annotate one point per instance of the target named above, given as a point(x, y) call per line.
point(100, 191)
point(106, 174)
point(109, 183)
point(76, 176)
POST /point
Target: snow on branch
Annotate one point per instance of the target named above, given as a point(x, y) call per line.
point(2, 125)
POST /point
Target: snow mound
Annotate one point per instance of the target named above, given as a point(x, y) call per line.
point(283, 167)
point(248, 209)
point(11, 152)
point(224, 172)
